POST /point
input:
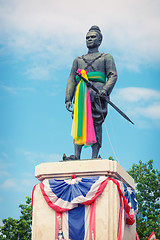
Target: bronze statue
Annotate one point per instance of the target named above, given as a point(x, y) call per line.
point(104, 65)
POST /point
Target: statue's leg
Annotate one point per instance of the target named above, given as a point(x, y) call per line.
point(77, 150)
point(96, 147)
point(95, 150)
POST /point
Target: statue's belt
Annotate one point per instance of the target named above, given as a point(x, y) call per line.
point(94, 77)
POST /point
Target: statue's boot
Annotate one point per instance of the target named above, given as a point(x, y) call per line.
point(71, 157)
point(95, 150)
point(77, 150)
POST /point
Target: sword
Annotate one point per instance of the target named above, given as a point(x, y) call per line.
point(89, 84)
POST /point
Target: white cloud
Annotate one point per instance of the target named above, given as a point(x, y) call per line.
point(28, 182)
point(135, 94)
point(7, 182)
point(5, 155)
point(151, 111)
point(141, 104)
point(10, 184)
point(38, 72)
point(39, 157)
point(18, 184)
point(4, 173)
point(3, 167)
point(15, 90)
point(55, 30)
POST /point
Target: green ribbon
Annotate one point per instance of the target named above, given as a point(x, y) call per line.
point(94, 77)
point(81, 99)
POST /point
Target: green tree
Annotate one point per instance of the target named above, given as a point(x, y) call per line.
point(111, 158)
point(148, 197)
point(13, 229)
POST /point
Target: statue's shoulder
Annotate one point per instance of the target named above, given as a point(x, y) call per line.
point(77, 59)
point(80, 57)
point(108, 57)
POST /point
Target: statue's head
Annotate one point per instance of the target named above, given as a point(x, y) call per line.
point(94, 37)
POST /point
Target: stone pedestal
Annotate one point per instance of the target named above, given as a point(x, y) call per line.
point(107, 204)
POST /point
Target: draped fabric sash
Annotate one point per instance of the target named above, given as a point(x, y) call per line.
point(94, 77)
point(82, 128)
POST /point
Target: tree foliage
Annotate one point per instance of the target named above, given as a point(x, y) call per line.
point(111, 158)
point(148, 197)
point(13, 229)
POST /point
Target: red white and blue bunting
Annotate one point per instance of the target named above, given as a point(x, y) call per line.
point(74, 200)
point(152, 236)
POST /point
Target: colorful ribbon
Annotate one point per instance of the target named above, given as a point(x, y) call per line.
point(94, 77)
point(82, 128)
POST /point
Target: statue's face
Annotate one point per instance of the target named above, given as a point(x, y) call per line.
point(92, 40)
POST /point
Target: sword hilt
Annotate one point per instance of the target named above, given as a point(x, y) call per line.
point(87, 82)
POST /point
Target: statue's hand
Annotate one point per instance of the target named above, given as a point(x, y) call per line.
point(102, 93)
point(68, 106)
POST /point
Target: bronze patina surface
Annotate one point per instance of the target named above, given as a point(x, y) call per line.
point(93, 61)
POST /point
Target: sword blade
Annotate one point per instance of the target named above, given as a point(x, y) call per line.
point(118, 110)
point(106, 98)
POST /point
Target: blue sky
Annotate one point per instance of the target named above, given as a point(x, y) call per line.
point(38, 43)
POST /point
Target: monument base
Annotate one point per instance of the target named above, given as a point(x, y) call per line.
point(107, 205)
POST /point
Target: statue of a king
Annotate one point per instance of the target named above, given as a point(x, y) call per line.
point(101, 71)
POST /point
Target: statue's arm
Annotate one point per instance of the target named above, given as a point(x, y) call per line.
point(71, 85)
point(111, 74)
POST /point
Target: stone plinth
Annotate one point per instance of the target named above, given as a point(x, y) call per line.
point(83, 168)
point(107, 204)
